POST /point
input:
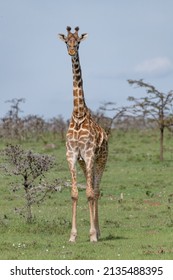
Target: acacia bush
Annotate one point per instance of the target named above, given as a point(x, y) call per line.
point(31, 169)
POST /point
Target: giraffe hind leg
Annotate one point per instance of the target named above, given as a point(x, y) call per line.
point(98, 172)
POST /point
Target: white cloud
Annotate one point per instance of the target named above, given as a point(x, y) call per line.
point(158, 66)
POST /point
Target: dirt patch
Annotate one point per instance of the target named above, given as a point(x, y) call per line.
point(152, 203)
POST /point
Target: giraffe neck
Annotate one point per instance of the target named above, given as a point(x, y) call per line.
point(79, 106)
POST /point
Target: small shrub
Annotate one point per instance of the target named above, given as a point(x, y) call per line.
point(30, 168)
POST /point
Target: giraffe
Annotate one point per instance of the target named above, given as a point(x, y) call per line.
point(86, 142)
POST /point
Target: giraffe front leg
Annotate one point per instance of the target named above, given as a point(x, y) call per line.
point(93, 231)
point(73, 234)
point(74, 196)
point(72, 157)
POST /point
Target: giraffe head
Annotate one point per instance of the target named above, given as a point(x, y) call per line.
point(72, 40)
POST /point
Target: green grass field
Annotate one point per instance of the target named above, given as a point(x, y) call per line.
point(135, 209)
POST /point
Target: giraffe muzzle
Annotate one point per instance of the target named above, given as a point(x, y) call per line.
point(71, 52)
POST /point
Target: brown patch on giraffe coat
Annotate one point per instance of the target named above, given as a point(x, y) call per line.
point(81, 101)
point(75, 102)
point(78, 71)
point(74, 84)
point(81, 92)
point(77, 77)
point(80, 84)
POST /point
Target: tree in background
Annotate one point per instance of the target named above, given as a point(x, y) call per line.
point(58, 126)
point(156, 105)
point(12, 124)
point(34, 127)
point(107, 122)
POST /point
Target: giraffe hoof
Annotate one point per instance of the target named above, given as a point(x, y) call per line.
point(72, 238)
point(93, 237)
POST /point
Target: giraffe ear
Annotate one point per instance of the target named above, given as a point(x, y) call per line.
point(62, 37)
point(83, 37)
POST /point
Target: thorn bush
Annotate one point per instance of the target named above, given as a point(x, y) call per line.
point(31, 168)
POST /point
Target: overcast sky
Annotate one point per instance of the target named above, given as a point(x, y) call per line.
point(127, 39)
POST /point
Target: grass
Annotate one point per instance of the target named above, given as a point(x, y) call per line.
point(135, 209)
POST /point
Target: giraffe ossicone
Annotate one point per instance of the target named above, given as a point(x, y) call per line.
point(86, 142)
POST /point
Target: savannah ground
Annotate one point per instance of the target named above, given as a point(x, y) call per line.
point(135, 208)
